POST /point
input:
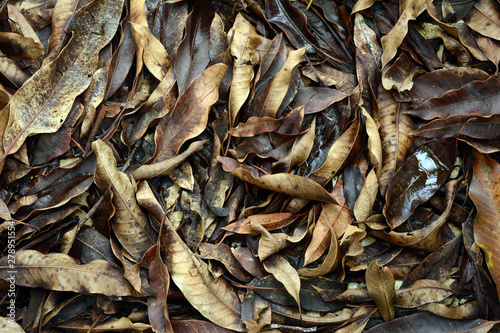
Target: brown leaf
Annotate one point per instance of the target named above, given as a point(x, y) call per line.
point(269, 221)
point(381, 288)
point(418, 179)
point(130, 225)
point(485, 191)
point(18, 47)
point(343, 151)
point(214, 298)
point(281, 269)
point(293, 185)
point(57, 271)
point(409, 10)
point(64, 78)
point(484, 18)
point(190, 114)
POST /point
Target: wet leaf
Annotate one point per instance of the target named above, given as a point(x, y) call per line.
point(417, 180)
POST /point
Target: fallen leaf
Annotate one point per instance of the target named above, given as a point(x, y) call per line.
point(57, 271)
point(484, 191)
point(381, 288)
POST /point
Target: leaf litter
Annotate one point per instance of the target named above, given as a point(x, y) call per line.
point(249, 166)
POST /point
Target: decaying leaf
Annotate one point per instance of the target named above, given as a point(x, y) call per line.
point(380, 285)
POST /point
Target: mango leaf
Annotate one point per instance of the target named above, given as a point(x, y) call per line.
point(409, 10)
point(293, 185)
point(213, 297)
point(463, 126)
point(270, 97)
point(418, 179)
point(57, 271)
point(243, 43)
point(17, 47)
point(269, 221)
point(63, 11)
point(485, 192)
point(281, 269)
point(474, 98)
point(343, 150)
point(32, 111)
point(129, 223)
point(381, 288)
point(484, 18)
point(190, 114)
point(438, 82)
point(193, 52)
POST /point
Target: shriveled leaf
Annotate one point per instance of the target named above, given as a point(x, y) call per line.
point(364, 203)
point(484, 18)
point(343, 150)
point(293, 185)
point(32, 111)
point(381, 288)
point(110, 325)
point(19, 47)
point(486, 128)
point(57, 271)
point(485, 192)
point(193, 52)
point(164, 167)
point(269, 99)
point(130, 224)
point(395, 128)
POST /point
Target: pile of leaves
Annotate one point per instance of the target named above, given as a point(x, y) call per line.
point(260, 166)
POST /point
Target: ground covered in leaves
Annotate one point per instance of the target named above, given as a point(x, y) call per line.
point(260, 166)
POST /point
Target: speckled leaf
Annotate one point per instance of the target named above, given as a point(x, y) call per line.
point(42, 104)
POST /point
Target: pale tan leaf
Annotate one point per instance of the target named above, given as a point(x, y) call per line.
point(364, 203)
point(57, 271)
point(381, 288)
point(281, 269)
point(147, 171)
point(129, 222)
point(409, 10)
point(213, 297)
point(243, 41)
